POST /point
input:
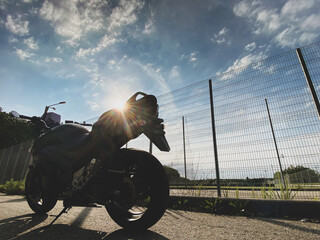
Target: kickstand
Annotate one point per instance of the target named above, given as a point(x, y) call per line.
point(64, 210)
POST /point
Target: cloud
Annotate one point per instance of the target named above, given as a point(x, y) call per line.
point(155, 75)
point(23, 55)
point(294, 24)
point(106, 41)
point(93, 105)
point(124, 14)
point(53, 59)
point(250, 47)
point(312, 22)
point(295, 6)
point(31, 43)
point(246, 61)
point(71, 21)
point(174, 72)
point(221, 36)
point(193, 57)
point(13, 40)
point(17, 26)
point(149, 27)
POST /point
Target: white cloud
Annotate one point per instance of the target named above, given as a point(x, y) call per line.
point(312, 22)
point(104, 42)
point(245, 61)
point(71, 21)
point(93, 105)
point(296, 6)
point(149, 27)
point(31, 43)
point(112, 62)
point(64, 18)
point(221, 36)
point(251, 46)
point(53, 59)
point(244, 8)
point(174, 72)
point(296, 23)
point(17, 26)
point(70, 75)
point(13, 40)
point(193, 57)
point(23, 55)
point(154, 74)
point(125, 13)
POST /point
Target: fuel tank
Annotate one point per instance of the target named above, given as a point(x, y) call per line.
point(67, 136)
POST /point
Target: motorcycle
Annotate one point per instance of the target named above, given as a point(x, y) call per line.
point(130, 183)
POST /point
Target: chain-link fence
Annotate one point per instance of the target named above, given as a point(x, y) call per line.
point(267, 131)
point(14, 161)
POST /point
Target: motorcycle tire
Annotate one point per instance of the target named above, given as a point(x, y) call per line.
point(151, 185)
point(40, 193)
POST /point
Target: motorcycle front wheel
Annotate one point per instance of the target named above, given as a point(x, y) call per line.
point(41, 197)
point(141, 196)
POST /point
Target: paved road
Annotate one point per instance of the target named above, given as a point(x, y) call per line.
point(17, 221)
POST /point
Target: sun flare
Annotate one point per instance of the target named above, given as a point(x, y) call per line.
point(120, 105)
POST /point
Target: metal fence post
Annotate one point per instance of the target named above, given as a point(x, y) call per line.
point(309, 81)
point(275, 143)
point(214, 140)
point(184, 151)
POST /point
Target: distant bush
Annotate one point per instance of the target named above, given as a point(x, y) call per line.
point(2, 189)
point(14, 131)
point(13, 187)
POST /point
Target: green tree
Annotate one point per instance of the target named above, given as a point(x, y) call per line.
point(13, 130)
point(172, 174)
point(299, 174)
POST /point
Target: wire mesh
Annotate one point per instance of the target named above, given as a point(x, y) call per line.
point(248, 160)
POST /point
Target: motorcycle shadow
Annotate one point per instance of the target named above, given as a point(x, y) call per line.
point(70, 232)
point(13, 226)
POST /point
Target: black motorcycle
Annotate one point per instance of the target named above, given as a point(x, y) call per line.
point(131, 184)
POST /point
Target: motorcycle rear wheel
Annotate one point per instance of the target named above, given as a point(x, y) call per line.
point(41, 197)
point(146, 185)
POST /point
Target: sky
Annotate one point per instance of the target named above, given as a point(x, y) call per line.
point(93, 53)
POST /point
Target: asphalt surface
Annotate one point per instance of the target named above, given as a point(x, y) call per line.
point(17, 221)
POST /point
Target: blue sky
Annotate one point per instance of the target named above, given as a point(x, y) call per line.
point(93, 53)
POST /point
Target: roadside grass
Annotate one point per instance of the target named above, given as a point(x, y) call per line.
point(212, 205)
point(254, 188)
point(13, 187)
point(263, 192)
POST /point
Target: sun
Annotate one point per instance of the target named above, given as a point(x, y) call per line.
point(120, 105)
